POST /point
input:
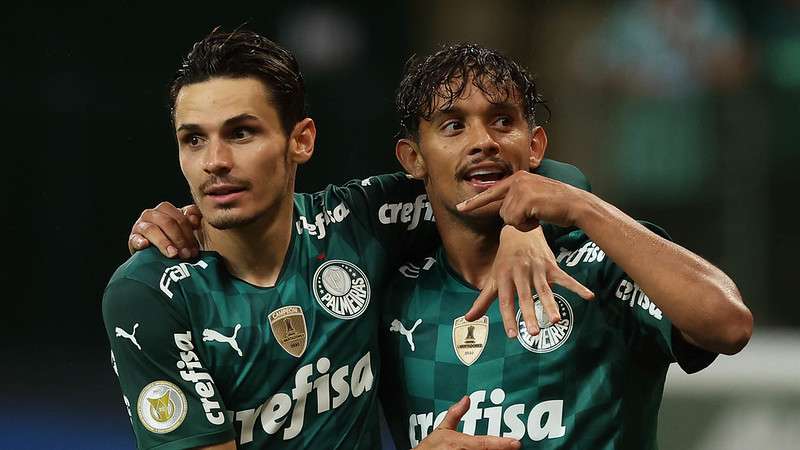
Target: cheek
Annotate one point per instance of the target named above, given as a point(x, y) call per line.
point(518, 146)
point(188, 168)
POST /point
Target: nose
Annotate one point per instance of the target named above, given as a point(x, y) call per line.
point(219, 159)
point(482, 141)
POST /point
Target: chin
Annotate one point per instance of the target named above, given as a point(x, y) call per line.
point(226, 220)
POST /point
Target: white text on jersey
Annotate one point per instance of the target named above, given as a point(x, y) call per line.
point(203, 383)
point(550, 411)
point(588, 253)
point(321, 220)
point(407, 212)
point(274, 412)
point(411, 270)
point(628, 291)
point(177, 273)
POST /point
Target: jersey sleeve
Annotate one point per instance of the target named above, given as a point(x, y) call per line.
point(396, 210)
point(563, 172)
point(653, 336)
point(172, 399)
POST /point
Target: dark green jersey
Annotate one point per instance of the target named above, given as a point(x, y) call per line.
point(594, 380)
point(203, 357)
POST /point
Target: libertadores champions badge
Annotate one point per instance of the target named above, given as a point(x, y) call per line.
point(342, 289)
point(469, 338)
point(288, 325)
point(161, 407)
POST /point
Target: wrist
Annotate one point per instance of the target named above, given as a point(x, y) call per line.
point(586, 209)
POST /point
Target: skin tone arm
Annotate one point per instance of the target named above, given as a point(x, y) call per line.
point(702, 302)
point(524, 263)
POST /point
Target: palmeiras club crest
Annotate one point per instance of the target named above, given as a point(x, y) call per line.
point(550, 337)
point(342, 289)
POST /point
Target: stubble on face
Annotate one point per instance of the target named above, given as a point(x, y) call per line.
point(450, 158)
point(227, 217)
point(236, 113)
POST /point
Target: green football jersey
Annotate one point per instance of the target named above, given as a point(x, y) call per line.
point(203, 357)
point(594, 380)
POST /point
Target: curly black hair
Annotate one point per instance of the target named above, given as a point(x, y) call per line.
point(440, 79)
point(243, 54)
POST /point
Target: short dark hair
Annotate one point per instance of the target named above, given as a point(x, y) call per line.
point(444, 76)
point(243, 54)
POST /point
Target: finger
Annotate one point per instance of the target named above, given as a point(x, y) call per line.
point(454, 414)
point(166, 230)
point(517, 214)
point(185, 242)
point(137, 242)
point(157, 238)
point(494, 193)
point(483, 302)
point(564, 279)
point(508, 312)
point(546, 297)
point(192, 212)
point(522, 281)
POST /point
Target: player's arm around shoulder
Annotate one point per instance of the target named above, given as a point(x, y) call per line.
point(393, 209)
point(167, 388)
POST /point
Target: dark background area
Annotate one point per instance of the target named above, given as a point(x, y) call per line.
point(88, 145)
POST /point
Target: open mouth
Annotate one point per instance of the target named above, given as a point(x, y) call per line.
point(486, 176)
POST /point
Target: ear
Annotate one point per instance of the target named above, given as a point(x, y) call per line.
point(538, 146)
point(407, 152)
point(301, 141)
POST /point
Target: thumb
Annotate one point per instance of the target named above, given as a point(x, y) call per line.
point(454, 414)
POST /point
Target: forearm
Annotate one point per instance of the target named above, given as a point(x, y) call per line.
point(702, 302)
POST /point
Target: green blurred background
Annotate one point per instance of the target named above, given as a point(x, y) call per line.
point(683, 112)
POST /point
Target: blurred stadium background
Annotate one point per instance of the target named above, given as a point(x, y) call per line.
point(680, 111)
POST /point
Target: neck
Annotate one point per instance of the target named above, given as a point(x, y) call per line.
point(470, 247)
point(255, 252)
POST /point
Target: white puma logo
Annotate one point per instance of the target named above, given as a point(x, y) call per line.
point(398, 327)
point(132, 336)
point(212, 335)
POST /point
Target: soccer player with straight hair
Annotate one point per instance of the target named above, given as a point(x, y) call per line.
point(269, 338)
point(594, 379)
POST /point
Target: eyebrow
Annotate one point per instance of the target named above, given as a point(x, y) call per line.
point(232, 121)
point(456, 110)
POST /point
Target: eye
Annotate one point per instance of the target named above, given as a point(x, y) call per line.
point(242, 133)
point(504, 121)
point(452, 126)
point(192, 140)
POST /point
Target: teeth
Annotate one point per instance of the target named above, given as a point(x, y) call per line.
point(483, 172)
